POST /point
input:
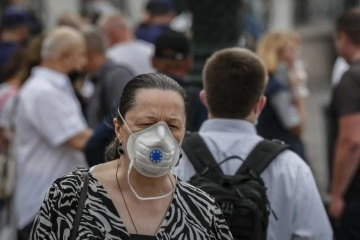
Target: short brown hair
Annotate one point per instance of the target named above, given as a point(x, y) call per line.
point(234, 79)
point(349, 23)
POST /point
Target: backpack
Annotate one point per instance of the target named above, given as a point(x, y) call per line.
point(242, 197)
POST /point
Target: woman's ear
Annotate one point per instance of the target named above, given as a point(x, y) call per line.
point(117, 129)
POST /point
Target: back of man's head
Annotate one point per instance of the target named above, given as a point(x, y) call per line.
point(234, 80)
point(349, 23)
point(115, 27)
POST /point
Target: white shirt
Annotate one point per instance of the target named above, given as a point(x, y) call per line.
point(290, 184)
point(136, 55)
point(48, 114)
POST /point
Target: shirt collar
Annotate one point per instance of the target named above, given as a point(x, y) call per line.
point(228, 125)
point(58, 79)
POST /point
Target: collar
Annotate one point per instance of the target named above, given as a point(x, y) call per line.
point(227, 125)
point(55, 78)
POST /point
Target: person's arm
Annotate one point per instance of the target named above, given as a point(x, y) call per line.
point(347, 148)
point(346, 164)
point(58, 118)
point(288, 112)
point(79, 141)
point(310, 220)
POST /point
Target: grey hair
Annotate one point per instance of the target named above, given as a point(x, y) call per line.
point(57, 41)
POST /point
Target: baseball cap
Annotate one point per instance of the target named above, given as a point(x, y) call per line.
point(15, 16)
point(159, 7)
point(172, 45)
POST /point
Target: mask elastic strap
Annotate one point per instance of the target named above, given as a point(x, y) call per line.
point(127, 126)
point(147, 198)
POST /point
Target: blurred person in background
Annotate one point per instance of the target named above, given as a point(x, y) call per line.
point(283, 117)
point(108, 77)
point(158, 16)
point(50, 129)
point(123, 48)
point(17, 71)
point(14, 33)
point(77, 77)
point(345, 111)
point(173, 58)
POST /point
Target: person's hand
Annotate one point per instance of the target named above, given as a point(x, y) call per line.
point(337, 206)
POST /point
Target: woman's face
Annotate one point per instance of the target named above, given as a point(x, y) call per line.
point(153, 106)
point(288, 53)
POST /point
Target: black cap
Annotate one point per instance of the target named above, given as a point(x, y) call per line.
point(15, 16)
point(172, 45)
point(159, 7)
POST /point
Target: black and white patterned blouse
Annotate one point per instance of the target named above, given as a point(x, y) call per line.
point(191, 215)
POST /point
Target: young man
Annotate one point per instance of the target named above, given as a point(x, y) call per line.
point(345, 109)
point(234, 82)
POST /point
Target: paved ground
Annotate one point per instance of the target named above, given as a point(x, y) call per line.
point(314, 135)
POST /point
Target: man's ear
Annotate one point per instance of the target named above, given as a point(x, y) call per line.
point(154, 62)
point(259, 106)
point(203, 100)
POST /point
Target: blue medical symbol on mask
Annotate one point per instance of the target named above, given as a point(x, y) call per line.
point(156, 156)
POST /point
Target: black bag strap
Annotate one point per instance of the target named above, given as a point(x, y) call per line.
point(199, 155)
point(81, 204)
point(262, 155)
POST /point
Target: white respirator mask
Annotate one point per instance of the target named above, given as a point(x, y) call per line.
point(154, 152)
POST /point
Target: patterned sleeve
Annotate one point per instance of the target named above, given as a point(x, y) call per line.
point(43, 225)
point(219, 228)
point(57, 211)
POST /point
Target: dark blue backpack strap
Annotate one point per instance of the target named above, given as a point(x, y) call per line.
point(199, 155)
point(262, 155)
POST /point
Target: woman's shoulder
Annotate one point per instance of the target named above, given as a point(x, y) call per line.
point(72, 180)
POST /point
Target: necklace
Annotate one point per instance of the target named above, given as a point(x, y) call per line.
point(127, 208)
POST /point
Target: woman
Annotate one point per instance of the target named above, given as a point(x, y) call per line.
point(136, 196)
point(284, 116)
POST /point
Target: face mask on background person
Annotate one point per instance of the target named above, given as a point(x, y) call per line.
point(154, 152)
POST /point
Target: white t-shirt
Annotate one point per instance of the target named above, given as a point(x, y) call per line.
point(47, 115)
point(136, 55)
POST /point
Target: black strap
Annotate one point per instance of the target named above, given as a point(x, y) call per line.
point(262, 155)
point(81, 205)
point(199, 155)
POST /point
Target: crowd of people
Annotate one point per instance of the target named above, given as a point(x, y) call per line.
point(98, 94)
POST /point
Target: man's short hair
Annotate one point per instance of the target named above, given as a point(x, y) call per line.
point(172, 45)
point(349, 23)
point(234, 80)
